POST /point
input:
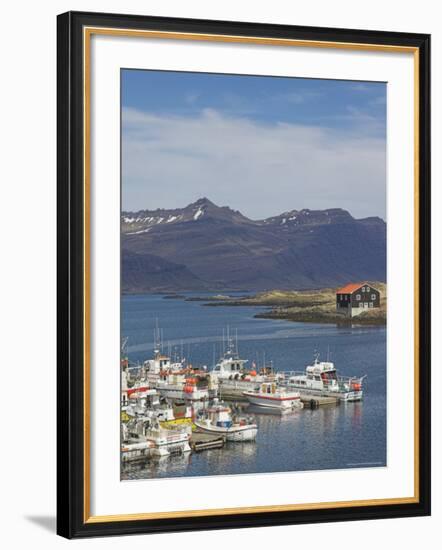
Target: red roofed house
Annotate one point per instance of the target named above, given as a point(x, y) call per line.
point(355, 298)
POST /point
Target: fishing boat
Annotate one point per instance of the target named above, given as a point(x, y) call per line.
point(187, 385)
point(230, 365)
point(218, 420)
point(139, 401)
point(321, 378)
point(160, 441)
point(136, 452)
point(148, 404)
point(182, 413)
point(130, 383)
point(232, 374)
point(160, 364)
point(269, 394)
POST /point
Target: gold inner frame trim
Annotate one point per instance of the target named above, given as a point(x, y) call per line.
point(87, 34)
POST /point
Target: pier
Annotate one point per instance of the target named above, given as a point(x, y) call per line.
point(315, 401)
point(201, 441)
point(232, 395)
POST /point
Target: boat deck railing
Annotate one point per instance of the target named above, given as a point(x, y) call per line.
point(286, 375)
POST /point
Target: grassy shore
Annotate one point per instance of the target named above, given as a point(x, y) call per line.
point(308, 306)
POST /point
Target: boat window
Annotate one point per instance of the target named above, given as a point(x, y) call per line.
point(317, 378)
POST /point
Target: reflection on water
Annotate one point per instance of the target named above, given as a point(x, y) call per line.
point(346, 436)
point(173, 465)
point(297, 440)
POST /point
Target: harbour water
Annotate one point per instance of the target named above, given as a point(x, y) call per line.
point(351, 435)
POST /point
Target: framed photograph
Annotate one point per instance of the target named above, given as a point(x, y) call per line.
point(243, 274)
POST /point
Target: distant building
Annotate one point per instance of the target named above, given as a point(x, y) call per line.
point(355, 298)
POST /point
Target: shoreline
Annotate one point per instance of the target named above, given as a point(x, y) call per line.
point(303, 306)
point(307, 317)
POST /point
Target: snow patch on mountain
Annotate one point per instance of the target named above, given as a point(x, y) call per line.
point(198, 214)
point(138, 232)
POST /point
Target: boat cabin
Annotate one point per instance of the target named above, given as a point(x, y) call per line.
point(158, 364)
point(229, 366)
point(268, 387)
point(220, 416)
point(321, 375)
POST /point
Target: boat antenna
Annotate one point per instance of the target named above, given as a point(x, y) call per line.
point(124, 344)
point(156, 338)
point(236, 334)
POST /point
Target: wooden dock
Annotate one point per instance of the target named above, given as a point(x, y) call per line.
point(232, 395)
point(201, 441)
point(315, 401)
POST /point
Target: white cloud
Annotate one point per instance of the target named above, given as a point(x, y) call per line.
point(259, 169)
point(361, 87)
point(192, 98)
point(299, 97)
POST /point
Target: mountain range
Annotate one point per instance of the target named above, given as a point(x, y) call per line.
point(207, 247)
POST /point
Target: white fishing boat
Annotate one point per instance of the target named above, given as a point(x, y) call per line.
point(168, 441)
point(321, 378)
point(140, 401)
point(232, 374)
point(130, 383)
point(161, 363)
point(184, 386)
point(268, 394)
point(134, 452)
point(159, 440)
point(218, 420)
point(230, 366)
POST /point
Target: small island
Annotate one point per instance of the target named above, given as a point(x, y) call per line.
point(306, 306)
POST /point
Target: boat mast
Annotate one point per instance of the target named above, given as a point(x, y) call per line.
point(124, 345)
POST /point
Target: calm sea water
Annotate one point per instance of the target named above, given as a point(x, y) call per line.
point(351, 435)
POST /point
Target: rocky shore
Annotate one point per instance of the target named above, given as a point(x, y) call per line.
point(306, 306)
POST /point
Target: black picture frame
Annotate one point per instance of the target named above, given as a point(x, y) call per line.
point(71, 519)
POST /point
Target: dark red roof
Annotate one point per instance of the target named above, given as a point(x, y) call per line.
point(350, 288)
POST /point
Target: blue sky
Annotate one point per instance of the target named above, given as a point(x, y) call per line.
point(262, 145)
